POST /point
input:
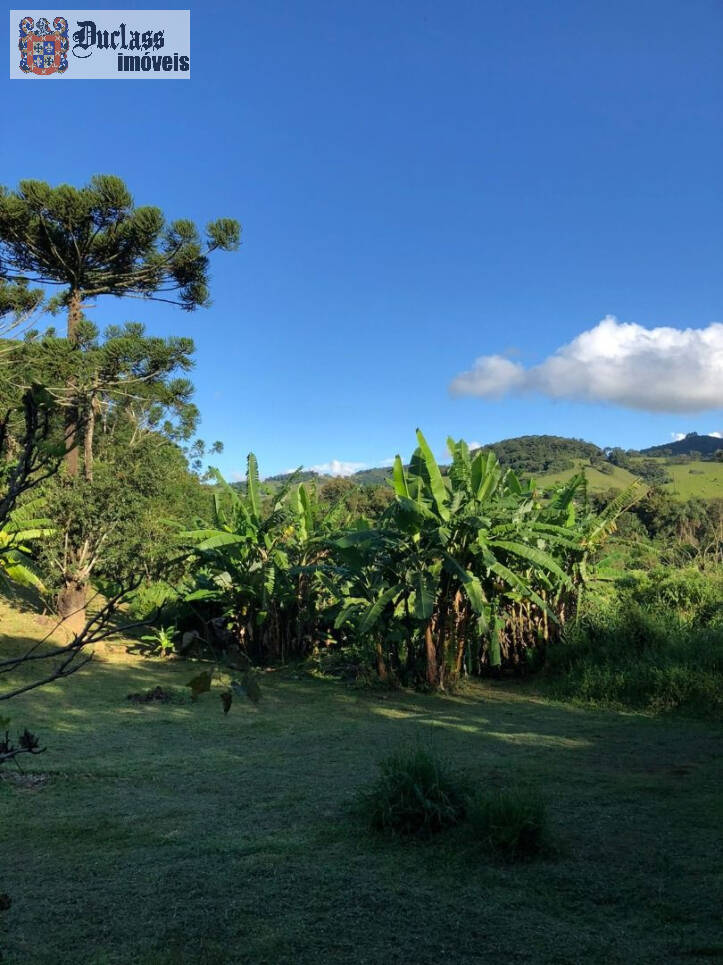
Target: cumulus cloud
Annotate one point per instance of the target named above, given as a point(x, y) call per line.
point(656, 370)
point(337, 467)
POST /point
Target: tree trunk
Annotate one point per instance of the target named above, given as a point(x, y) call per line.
point(75, 314)
point(71, 605)
point(381, 665)
point(88, 441)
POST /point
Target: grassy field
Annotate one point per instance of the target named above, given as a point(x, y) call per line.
point(701, 479)
point(597, 481)
point(170, 833)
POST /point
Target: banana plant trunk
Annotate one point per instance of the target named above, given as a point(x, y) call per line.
point(431, 654)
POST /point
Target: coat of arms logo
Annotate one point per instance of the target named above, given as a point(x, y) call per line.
point(42, 50)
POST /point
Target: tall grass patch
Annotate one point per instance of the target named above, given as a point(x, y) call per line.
point(415, 795)
point(648, 657)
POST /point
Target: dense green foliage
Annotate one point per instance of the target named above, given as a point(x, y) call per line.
point(421, 574)
point(459, 574)
point(94, 241)
point(664, 654)
point(115, 401)
point(536, 455)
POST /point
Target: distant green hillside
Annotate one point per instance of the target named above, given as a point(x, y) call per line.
point(598, 481)
point(533, 455)
point(372, 477)
point(703, 480)
point(706, 445)
point(553, 460)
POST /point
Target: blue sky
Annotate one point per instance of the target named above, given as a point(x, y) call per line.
point(420, 184)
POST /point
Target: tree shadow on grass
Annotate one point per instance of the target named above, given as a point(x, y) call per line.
point(182, 826)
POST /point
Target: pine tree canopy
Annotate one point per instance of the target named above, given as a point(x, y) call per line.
point(94, 241)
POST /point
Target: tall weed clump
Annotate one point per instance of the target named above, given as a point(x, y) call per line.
point(415, 795)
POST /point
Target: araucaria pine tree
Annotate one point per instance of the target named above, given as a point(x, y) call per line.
point(92, 241)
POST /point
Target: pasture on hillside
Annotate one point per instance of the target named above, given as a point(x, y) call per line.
point(703, 480)
point(164, 833)
point(695, 479)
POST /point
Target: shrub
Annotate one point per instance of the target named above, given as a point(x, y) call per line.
point(510, 823)
point(685, 590)
point(414, 795)
point(623, 654)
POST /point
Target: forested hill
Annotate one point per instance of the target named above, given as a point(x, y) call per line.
point(525, 454)
point(706, 445)
point(542, 454)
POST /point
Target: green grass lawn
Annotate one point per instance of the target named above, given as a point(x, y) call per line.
point(170, 833)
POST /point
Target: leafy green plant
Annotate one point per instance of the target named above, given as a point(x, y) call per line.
point(415, 795)
point(258, 564)
point(510, 823)
point(162, 639)
point(465, 572)
point(17, 535)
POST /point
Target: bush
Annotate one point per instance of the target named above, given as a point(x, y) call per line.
point(624, 654)
point(414, 795)
point(511, 823)
point(685, 590)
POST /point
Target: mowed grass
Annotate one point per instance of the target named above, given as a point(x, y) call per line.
point(170, 833)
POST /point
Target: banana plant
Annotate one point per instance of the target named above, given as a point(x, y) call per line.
point(259, 562)
point(469, 568)
point(17, 536)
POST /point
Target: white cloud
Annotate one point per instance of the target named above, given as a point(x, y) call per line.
point(492, 377)
point(656, 370)
point(337, 467)
point(716, 435)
